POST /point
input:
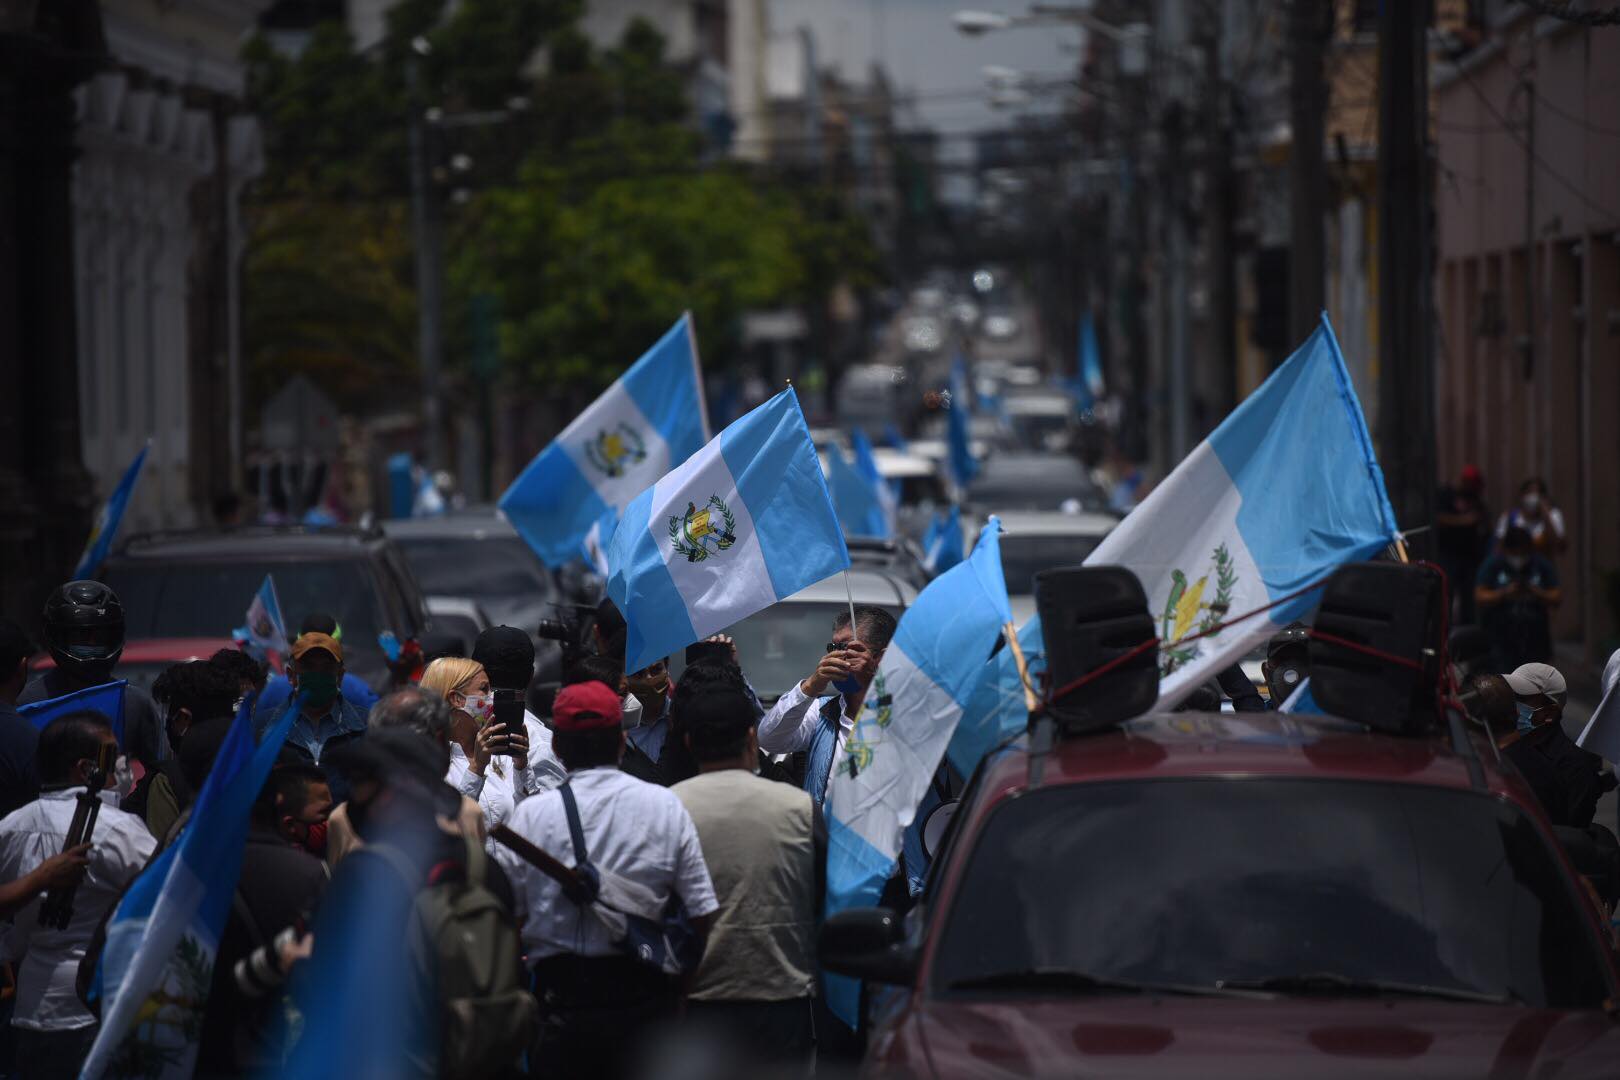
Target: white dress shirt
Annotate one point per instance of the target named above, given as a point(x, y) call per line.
point(503, 784)
point(787, 728)
point(46, 998)
point(545, 771)
point(638, 830)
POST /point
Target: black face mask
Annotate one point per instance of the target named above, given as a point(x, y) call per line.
point(170, 715)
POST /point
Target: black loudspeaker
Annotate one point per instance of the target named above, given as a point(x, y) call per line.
point(1091, 615)
point(1394, 608)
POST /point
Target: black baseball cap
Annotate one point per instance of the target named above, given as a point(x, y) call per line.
point(507, 656)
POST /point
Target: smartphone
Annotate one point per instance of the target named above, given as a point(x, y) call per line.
point(508, 711)
point(701, 651)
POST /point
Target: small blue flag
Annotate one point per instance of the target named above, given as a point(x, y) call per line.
point(942, 544)
point(1088, 381)
point(109, 518)
point(859, 511)
point(866, 464)
point(266, 630)
point(106, 699)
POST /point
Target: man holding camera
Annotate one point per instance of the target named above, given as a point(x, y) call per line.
point(805, 721)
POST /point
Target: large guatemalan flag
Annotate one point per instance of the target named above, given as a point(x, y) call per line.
point(929, 673)
point(161, 942)
point(650, 420)
point(745, 522)
point(1283, 492)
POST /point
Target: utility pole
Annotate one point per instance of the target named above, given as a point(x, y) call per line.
point(1309, 22)
point(1178, 285)
point(427, 224)
point(1218, 200)
point(1406, 435)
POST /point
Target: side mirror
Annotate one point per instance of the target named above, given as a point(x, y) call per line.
point(867, 943)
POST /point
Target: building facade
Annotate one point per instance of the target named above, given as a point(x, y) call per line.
point(1527, 285)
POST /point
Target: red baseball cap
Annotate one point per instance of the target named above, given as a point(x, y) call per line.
point(586, 706)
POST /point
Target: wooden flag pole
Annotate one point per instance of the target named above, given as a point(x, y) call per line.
point(1032, 701)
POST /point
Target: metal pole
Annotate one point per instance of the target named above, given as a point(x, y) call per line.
point(425, 221)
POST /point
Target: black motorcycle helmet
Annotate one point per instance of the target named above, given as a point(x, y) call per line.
point(84, 627)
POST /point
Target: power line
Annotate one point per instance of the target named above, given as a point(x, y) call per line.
point(1513, 133)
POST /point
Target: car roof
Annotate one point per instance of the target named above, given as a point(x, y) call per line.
point(1054, 523)
point(255, 541)
point(867, 586)
point(893, 463)
point(472, 525)
point(1194, 744)
point(1042, 404)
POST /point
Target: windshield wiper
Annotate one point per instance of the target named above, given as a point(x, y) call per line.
point(1080, 982)
point(1332, 984)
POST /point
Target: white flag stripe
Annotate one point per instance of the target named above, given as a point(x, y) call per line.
point(713, 589)
point(878, 803)
point(616, 413)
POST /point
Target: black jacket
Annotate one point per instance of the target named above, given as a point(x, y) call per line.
point(1566, 779)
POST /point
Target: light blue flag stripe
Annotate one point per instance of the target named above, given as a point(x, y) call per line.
point(550, 502)
point(670, 398)
point(778, 474)
point(996, 710)
point(856, 502)
point(1286, 449)
point(932, 668)
point(110, 517)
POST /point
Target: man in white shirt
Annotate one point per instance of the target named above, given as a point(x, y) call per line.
point(598, 1002)
point(508, 658)
point(54, 1029)
point(805, 720)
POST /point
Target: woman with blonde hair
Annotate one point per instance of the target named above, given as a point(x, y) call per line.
point(486, 763)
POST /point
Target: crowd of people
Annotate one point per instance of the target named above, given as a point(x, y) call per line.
point(436, 882)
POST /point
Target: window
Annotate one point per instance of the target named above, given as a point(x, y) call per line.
point(1199, 881)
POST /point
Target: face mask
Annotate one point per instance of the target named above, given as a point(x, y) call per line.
point(123, 783)
point(315, 840)
point(847, 686)
point(1527, 717)
point(319, 688)
point(1531, 502)
point(631, 713)
point(649, 691)
point(479, 706)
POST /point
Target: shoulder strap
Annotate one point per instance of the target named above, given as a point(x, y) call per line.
point(576, 833)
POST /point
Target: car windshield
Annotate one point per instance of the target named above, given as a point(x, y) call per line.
point(1200, 882)
point(779, 646)
point(1036, 486)
point(207, 599)
point(480, 568)
point(1022, 556)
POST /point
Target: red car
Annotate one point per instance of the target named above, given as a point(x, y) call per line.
point(144, 659)
point(1240, 895)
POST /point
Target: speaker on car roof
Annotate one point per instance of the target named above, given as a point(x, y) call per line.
point(1393, 609)
point(1091, 616)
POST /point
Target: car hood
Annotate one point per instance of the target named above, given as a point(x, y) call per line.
point(1215, 1038)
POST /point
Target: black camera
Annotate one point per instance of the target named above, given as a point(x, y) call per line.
point(571, 630)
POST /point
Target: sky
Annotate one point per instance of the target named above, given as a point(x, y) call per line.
point(923, 51)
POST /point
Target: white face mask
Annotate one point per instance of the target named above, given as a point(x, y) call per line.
point(480, 707)
point(630, 712)
point(1531, 502)
point(123, 783)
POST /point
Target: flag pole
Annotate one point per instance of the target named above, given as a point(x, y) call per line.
point(1031, 701)
point(850, 596)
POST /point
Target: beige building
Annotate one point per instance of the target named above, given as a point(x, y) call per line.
point(1527, 284)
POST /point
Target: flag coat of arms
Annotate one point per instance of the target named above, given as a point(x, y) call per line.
point(930, 671)
point(265, 631)
point(746, 521)
point(651, 419)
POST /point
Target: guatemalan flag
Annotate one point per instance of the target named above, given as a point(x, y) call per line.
point(111, 515)
point(266, 630)
point(855, 501)
point(162, 939)
point(929, 672)
point(1088, 380)
point(650, 420)
point(866, 464)
point(746, 521)
point(942, 543)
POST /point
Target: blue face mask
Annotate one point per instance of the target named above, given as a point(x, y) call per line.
point(846, 686)
point(1527, 717)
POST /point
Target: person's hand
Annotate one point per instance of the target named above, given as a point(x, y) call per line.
point(293, 949)
point(487, 745)
point(60, 871)
point(725, 639)
point(833, 667)
point(517, 747)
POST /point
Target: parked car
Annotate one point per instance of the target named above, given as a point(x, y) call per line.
point(144, 659)
point(901, 559)
point(457, 619)
point(780, 645)
point(1041, 540)
point(1254, 895)
point(1024, 480)
point(1041, 419)
point(199, 584)
point(477, 555)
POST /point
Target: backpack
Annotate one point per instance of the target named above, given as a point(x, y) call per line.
point(463, 933)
